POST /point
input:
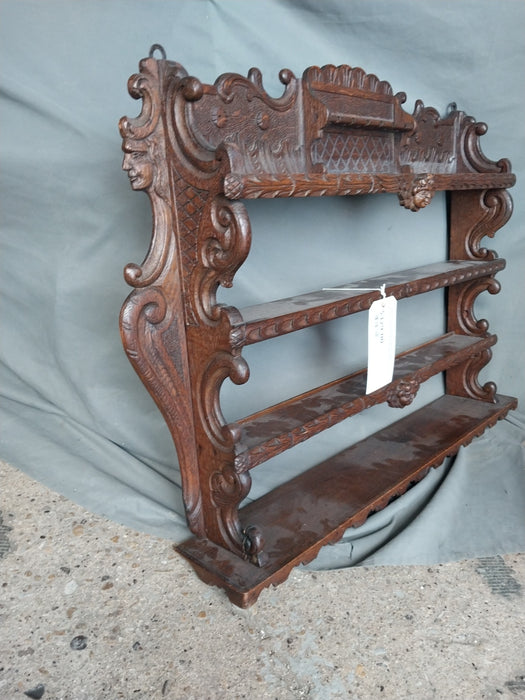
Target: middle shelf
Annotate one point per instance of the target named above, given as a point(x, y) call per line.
point(269, 320)
point(273, 430)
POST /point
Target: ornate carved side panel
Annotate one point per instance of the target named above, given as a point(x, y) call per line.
point(472, 216)
point(152, 318)
point(182, 343)
point(194, 149)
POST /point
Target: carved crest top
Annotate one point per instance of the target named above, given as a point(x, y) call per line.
point(336, 130)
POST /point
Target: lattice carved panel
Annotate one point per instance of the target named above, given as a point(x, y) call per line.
point(357, 151)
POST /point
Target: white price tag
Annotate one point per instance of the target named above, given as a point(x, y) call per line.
point(381, 343)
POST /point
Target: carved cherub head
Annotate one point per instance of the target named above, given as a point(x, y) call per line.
point(417, 194)
point(422, 192)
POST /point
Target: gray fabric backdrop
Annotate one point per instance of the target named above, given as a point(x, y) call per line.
point(74, 414)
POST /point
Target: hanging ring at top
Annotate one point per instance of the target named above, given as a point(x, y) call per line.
point(160, 49)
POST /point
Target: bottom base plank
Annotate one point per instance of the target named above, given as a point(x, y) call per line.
point(316, 507)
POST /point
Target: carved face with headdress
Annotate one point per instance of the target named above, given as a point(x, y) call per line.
point(138, 164)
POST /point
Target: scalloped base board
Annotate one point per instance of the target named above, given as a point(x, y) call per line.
point(316, 507)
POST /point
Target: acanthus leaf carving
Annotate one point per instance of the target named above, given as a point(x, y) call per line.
point(228, 488)
point(431, 146)
point(145, 322)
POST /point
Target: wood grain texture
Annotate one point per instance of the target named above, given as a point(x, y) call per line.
point(272, 319)
point(196, 149)
point(278, 428)
point(315, 508)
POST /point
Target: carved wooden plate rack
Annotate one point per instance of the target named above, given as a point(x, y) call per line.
point(197, 150)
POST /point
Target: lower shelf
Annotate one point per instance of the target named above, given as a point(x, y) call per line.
point(316, 507)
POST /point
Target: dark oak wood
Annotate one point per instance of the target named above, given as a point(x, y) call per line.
point(316, 507)
point(197, 150)
point(271, 186)
point(283, 316)
point(276, 429)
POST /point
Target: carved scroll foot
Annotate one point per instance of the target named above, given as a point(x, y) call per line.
point(253, 543)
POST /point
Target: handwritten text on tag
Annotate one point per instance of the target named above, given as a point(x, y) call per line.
point(381, 343)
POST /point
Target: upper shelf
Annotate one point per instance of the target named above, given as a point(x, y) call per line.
point(271, 185)
point(275, 318)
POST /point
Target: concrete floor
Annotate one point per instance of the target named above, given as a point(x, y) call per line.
point(91, 610)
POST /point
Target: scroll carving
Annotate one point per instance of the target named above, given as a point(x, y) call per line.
point(473, 215)
point(228, 489)
point(495, 209)
point(466, 296)
point(196, 150)
point(221, 365)
point(471, 384)
point(225, 239)
point(475, 158)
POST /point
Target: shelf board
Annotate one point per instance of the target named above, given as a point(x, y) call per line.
point(271, 185)
point(275, 318)
point(316, 507)
point(273, 430)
